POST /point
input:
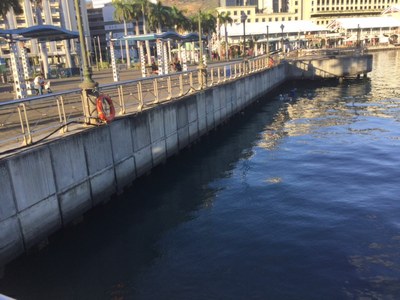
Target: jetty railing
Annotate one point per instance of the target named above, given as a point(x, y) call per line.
point(31, 120)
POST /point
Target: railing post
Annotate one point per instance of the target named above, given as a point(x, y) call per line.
point(191, 82)
point(61, 114)
point(180, 85)
point(202, 76)
point(121, 99)
point(140, 96)
point(169, 87)
point(155, 89)
point(27, 133)
point(224, 74)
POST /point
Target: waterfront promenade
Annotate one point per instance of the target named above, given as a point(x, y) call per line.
point(103, 76)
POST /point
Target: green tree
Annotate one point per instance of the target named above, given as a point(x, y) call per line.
point(208, 23)
point(159, 17)
point(224, 18)
point(38, 6)
point(123, 13)
point(143, 7)
point(8, 5)
point(178, 19)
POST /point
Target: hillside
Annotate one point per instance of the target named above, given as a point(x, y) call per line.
point(192, 6)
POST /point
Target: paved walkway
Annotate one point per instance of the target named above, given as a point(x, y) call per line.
point(102, 77)
point(62, 84)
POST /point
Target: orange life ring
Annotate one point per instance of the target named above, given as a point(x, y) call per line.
point(100, 110)
point(271, 62)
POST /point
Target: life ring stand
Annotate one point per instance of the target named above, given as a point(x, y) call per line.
point(100, 109)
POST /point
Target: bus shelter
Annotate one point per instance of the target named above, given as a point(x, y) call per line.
point(19, 58)
point(163, 48)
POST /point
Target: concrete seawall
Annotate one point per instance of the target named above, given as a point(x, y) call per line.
point(48, 186)
point(330, 67)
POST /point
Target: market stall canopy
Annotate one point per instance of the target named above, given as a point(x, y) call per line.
point(260, 28)
point(391, 10)
point(44, 33)
point(170, 35)
point(364, 23)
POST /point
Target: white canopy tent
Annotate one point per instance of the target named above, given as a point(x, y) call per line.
point(274, 28)
point(391, 10)
point(364, 23)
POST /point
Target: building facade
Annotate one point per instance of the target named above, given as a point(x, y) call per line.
point(321, 12)
point(59, 13)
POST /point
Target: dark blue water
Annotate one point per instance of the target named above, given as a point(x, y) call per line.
point(291, 200)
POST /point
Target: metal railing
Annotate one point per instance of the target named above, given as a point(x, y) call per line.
point(28, 121)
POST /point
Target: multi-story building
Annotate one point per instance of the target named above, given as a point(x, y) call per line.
point(321, 12)
point(325, 11)
point(101, 24)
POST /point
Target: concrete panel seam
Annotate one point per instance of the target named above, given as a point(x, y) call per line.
point(55, 184)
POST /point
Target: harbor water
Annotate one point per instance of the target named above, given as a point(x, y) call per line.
point(293, 199)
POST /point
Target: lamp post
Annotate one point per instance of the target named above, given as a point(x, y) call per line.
point(267, 41)
point(243, 18)
point(358, 36)
point(202, 67)
point(88, 85)
point(282, 27)
point(200, 42)
point(101, 56)
point(95, 53)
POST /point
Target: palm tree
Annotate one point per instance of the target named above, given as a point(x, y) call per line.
point(143, 7)
point(208, 23)
point(8, 5)
point(178, 19)
point(225, 19)
point(159, 17)
point(122, 13)
point(38, 5)
point(136, 13)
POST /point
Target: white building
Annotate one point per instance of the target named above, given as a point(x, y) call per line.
point(58, 13)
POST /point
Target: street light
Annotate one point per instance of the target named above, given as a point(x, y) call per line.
point(202, 67)
point(101, 57)
point(282, 27)
point(267, 41)
point(95, 53)
point(243, 18)
point(88, 85)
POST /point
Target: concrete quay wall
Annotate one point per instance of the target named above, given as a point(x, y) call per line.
point(49, 186)
point(330, 67)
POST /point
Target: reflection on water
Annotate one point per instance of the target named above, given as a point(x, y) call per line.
point(292, 200)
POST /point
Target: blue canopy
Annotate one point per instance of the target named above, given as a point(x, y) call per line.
point(191, 37)
point(44, 33)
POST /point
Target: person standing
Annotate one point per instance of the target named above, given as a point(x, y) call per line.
point(39, 83)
